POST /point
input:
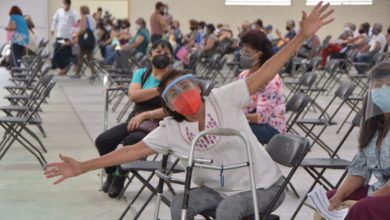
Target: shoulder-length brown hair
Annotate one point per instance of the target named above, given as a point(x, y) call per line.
point(15, 10)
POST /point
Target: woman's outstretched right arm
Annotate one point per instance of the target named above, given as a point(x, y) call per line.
point(70, 167)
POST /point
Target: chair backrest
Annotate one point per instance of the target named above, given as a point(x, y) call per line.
point(214, 59)
point(308, 79)
point(332, 66)
point(315, 63)
point(297, 103)
point(345, 90)
point(288, 149)
point(357, 119)
point(207, 86)
point(221, 63)
point(325, 42)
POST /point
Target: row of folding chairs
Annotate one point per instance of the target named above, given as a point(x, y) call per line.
point(29, 88)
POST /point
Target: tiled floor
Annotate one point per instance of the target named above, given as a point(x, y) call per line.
point(73, 118)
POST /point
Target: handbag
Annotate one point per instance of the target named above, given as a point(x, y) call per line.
point(148, 126)
point(87, 39)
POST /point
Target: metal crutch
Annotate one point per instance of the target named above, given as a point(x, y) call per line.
point(105, 119)
point(192, 164)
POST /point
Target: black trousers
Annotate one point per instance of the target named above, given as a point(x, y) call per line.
point(62, 55)
point(109, 140)
point(16, 54)
point(155, 37)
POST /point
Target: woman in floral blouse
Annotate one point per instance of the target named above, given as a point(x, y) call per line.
point(266, 109)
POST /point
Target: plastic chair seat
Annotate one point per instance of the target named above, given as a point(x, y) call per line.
point(18, 87)
point(332, 163)
point(14, 108)
point(17, 97)
point(315, 121)
point(355, 98)
point(13, 120)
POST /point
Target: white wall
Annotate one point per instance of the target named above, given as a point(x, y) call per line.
point(37, 9)
point(118, 8)
point(216, 11)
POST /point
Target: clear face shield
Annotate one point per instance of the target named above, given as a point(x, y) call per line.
point(182, 95)
point(378, 97)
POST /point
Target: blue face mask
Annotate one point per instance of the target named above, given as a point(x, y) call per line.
point(381, 98)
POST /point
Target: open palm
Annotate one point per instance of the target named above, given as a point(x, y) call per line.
point(317, 18)
point(68, 168)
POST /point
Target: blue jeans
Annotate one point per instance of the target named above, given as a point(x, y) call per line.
point(263, 132)
point(363, 58)
point(16, 54)
point(110, 54)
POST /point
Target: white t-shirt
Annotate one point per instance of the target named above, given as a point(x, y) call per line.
point(223, 109)
point(63, 22)
point(378, 38)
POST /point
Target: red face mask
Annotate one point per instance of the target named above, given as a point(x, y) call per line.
point(188, 103)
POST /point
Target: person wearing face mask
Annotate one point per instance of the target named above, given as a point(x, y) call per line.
point(290, 27)
point(144, 117)
point(210, 42)
point(376, 44)
point(124, 34)
point(201, 32)
point(258, 25)
point(111, 43)
point(102, 36)
point(141, 40)
point(158, 23)
point(63, 20)
point(266, 110)
point(370, 199)
point(333, 49)
point(189, 114)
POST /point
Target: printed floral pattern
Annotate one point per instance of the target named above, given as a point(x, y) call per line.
point(19, 38)
point(269, 104)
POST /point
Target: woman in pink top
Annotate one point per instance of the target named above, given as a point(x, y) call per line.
point(266, 109)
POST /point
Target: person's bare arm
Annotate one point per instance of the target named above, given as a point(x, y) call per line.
point(137, 94)
point(113, 34)
point(350, 184)
point(11, 26)
point(83, 25)
point(309, 25)
point(162, 21)
point(138, 40)
point(383, 191)
point(70, 167)
point(252, 117)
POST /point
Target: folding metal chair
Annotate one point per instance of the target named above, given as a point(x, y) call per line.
point(16, 125)
point(316, 167)
point(28, 103)
point(147, 166)
point(307, 125)
point(295, 105)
